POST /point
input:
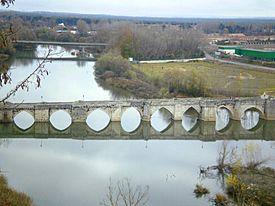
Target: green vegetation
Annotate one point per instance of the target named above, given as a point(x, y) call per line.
point(120, 73)
point(113, 65)
point(9, 197)
point(252, 186)
point(221, 200)
point(213, 78)
point(196, 78)
point(201, 191)
point(247, 182)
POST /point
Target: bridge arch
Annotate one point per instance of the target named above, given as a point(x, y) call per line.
point(16, 112)
point(256, 108)
point(60, 120)
point(224, 116)
point(133, 115)
point(251, 118)
point(190, 119)
point(161, 119)
point(98, 119)
point(169, 109)
point(23, 120)
point(229, 109)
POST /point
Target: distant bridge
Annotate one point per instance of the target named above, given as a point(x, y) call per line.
point(75, 44)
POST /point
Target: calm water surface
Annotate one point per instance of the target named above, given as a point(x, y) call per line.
point(71, 172)
point(68, 172)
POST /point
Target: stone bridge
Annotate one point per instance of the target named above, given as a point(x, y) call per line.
point(206, 108)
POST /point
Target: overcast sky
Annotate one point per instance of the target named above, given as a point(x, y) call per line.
point(157, 8)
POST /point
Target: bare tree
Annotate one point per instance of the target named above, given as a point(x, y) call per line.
point(7, 2)
point(124, 194)
point(227, 157)
point(252, 156)
point(82, 26)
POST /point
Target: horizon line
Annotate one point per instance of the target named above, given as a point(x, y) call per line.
point(142, 16)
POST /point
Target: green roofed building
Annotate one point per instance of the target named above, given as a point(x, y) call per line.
point(256, 54)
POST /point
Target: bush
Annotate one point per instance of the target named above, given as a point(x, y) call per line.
point(200, 191)
point(113, 62)
point(190, 84)
point(221, 200)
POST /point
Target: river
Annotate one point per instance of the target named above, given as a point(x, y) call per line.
point(75, 166)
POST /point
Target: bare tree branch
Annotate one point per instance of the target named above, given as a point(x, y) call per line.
point(39, 71)
point(7, 2)
point(123, 194)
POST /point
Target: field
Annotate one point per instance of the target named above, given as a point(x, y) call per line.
point(221, 79)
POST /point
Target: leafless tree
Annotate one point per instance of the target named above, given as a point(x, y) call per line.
point(227, 157)
point(7, 3)
point(82, 26)
point(124, 194)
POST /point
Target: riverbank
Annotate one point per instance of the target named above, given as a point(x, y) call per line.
point(11, 197)
point(209, 78)
point(220, 79)
point(137, 87)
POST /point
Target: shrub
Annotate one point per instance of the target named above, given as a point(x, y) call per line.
point(221, 200)
point(200, 191)
point(190, 84)
point(115, 63)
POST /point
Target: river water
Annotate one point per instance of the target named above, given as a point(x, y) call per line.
point(74, 166)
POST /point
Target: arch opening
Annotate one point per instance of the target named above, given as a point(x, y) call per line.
point(190, 119)
point(24, 120)
point(223, 118)
point(161, 120)
point(61, 120)
point(130, 120)
point(251, 118)
point(98, 120)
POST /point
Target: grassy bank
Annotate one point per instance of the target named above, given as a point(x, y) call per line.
point(252, 186)
point(10, 197)
point(219, 78)
point(244, 177)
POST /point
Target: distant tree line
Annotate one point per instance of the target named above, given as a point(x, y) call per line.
point(248, 28)
point(146, 42)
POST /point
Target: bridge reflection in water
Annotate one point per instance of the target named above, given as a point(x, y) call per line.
point(204, 131)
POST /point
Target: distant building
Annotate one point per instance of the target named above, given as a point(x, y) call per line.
point(229, 50)
point(61, 28)
point(61, 25)
point(92, 32)
point(253, 54)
